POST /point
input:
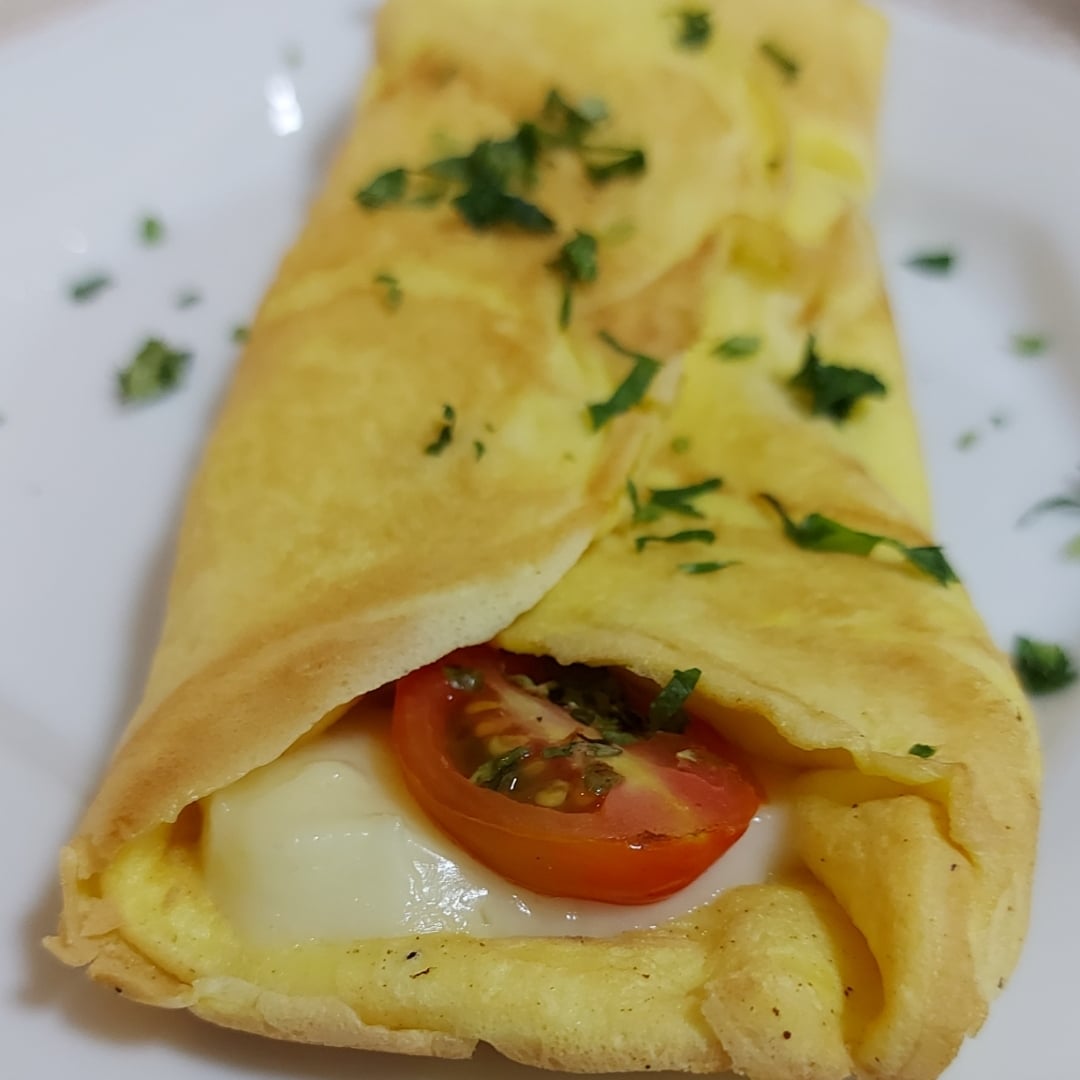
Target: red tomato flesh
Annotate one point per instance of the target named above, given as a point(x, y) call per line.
point(544, 800)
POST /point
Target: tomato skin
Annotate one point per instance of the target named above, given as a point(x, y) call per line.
point(653, 834)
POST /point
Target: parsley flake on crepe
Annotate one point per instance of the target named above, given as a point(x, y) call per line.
point(833, 390)
point(87, 288)
point(631, 390)
point(938, 263)
point(921, 750)
point(576, 265)
point(687, 536)
point(393, 295)
point(680, 444)
point(786, 64)
point(738, 347)
point(670, 500)
point(1042, 666)
point(156, 370)
point(387, 188)
point(604, 163)
point(819, 533)
point(446, 432)
point(666, 711)
point(695, 29)
point(706, 567)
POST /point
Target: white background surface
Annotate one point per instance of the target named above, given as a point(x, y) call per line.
point(162, 106)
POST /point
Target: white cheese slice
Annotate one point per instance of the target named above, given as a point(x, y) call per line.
point(326, 844)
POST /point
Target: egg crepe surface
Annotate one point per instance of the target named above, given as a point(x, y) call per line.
point(296, 591)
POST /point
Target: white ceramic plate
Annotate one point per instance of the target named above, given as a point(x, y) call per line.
point(219, 118)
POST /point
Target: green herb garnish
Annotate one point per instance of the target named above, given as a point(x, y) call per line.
point(784, 62)
point(687, 536)
point(738, 347)
point(1029, 344)
point(706, 567)
point(156, 370)
point(599, 778)
point(463, 678)
point(85, 289)
point(666, 711)
point(446, 433)
point(582, 746)
point(564, 124)
point(933, 262)
point(485, 206)
point(921, 750)
point(151, 230)
point(387, 188)
point(833, 390)
point(695, 29)
point(241, 335)
point(1041, 666)
point(492, 774)
point(630, 391)
point(1068, 503)
point(604, 163)
point(680, 444)
point(671, 500)
point(479, 449)
point(393, 296)
point(819, 533)
point(576, 265)
point(967, 440)
point(188, 298)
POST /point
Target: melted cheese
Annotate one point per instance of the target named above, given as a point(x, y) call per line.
point(326, 844)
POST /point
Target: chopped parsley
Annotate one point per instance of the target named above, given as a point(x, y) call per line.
point(188, 298)
point(463, 678)
point(479, 449)
point(1068, 503)
point(666, 711)
point(630, 391)
point(156, 370)
point(568, 125)
point(446, 432)
point(1041, 666)
point(921, 750)
point(582, 746)
point(833, 390)
point(933, 262)
point(670, 500)
point(966, 440)
point(1029, 344)
point(484, 205)
point(87, 288)
point(695, 29)
point(1072, 548)
point(680, 444)
point(241, 334)
point(738, 347)
point(706, 567)
point(786, 64)
point(819, 533)
point(151, 230)
point(492, 773)
point(387, 188)
point(393, 295)
point(604, 163)
point(687, 536)
point(576, 265)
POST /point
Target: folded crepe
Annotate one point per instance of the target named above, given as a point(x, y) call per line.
point(406, 465)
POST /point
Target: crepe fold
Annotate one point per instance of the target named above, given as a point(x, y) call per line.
point(324, 553)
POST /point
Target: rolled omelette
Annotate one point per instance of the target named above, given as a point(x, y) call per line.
point(326, 552)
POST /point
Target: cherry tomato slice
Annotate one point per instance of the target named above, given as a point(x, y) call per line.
point(541, 798)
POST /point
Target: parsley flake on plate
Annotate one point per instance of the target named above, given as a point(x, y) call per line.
point(446, 432)
point(87, 288)
point(738, 347)
point(939, 263)
point(630, 391)
point(921, 750)
point(666, 711)
point(819, 533)
point(151, 230)
point(687, 536)
point(576, 265)
point(241, 334)
point(783, 61)
point(1042, 666)
point(1029, 345)
point(155, 371)
point(833, 390)
point(695, 29)
point(188, 298)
